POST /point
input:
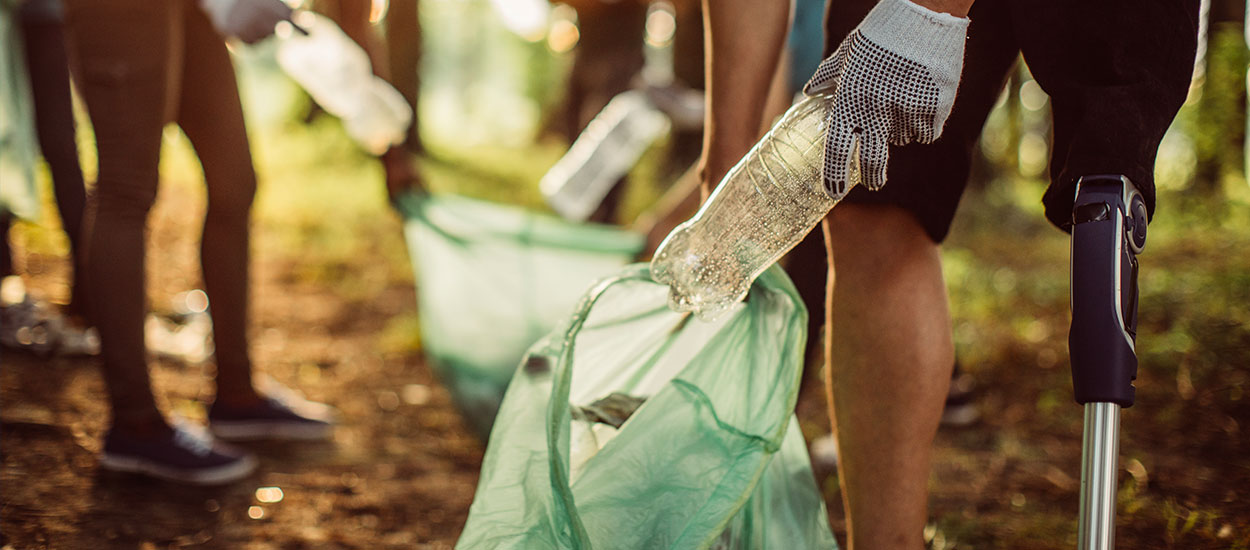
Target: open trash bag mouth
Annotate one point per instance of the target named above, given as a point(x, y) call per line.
point(491, 280)
point(710, 458)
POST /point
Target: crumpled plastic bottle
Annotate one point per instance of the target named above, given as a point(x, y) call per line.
point(611, 144)
point(336, 72)
point(763, 207)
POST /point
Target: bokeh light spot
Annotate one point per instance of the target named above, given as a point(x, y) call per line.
point(269, 494)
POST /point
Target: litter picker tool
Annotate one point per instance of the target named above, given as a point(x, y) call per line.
point(1108, 231)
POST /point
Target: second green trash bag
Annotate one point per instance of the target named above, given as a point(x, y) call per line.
point(491, 280)
point(19, 193)
point(632, 426)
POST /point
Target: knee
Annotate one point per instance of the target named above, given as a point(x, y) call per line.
point(887, 277)
point(868, 241)
point(230, 198)
point(232, 211)
point(125, 198)
point(60, 154)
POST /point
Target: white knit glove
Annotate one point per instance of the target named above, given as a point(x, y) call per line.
point(893, 81)
point(248, 20)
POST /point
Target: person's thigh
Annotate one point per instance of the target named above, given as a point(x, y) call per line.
point(1117, 71)
point(210, 113)
point(123, 69)
point(47, 64)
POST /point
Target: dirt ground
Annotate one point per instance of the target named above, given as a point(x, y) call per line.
point(401, 470)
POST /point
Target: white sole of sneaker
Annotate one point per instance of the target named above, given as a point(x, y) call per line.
point(220, 475)
point(959, 416)
point(251, 431)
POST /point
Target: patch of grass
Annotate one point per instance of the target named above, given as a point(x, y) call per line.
point(507, 175)
point(1184, 524)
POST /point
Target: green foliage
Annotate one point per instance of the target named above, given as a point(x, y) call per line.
point(1219, 135)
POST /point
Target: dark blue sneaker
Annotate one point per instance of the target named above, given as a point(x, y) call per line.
point(187, 455)
point(281, 415)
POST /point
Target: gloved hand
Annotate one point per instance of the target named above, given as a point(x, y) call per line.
point(893, 80)
point(248, 20)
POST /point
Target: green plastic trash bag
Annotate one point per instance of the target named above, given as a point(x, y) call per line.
point(492, 280)
point(712, 458)
point(18, 149)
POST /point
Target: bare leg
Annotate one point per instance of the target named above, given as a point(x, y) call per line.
point(890, 357)
point(54, 121)
point(212, 117)
point(123, 50)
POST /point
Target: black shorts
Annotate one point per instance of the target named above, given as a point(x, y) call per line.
point(1117, 71)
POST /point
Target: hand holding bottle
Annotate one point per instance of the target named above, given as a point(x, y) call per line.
point(892, 81)
point(336, 72)
point(248, 20)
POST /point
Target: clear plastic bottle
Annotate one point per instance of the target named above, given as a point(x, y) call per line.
point(763, 207)
point(336, 72)
point(381, 119)
point(611, 144)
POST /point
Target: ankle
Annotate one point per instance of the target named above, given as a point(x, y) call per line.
point(146, 427)
point(238, 398)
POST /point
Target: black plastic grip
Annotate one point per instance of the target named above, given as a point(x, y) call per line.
point(1108, 229)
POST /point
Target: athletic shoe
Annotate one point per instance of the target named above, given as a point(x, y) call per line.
point(187, 455)
point(30, 327)
point(76, 341)
point(187, 338)
point(281, 415)
point(824, 453)
point(961, 408)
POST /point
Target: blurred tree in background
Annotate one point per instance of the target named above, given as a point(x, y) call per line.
point(1205, 148)
point(1220, 93)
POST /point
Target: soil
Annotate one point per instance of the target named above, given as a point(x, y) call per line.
point(400, 472)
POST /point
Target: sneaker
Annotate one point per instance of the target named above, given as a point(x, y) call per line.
point(961, 408)
point(28, 326)
point(281, 415)
point(187, 338)
point(824, 453)
point(187, 455)
point(76, 341)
